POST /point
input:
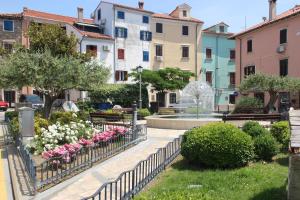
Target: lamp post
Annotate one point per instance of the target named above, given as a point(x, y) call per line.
point(139, 69)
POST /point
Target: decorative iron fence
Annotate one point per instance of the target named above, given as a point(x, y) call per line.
point(129, 183)
point(55, 170)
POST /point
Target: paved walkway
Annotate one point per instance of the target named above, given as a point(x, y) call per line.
point(89, 181)
point(5, 184)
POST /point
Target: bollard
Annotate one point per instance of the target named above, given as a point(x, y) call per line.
point(26, 122)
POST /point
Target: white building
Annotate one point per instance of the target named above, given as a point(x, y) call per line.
point(89, 35)
point(131, 29)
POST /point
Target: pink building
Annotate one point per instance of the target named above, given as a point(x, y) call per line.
point(271, 47)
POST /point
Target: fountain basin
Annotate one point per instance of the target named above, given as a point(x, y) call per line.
point(180, 122)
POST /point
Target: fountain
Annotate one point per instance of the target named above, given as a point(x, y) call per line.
point(195, 108)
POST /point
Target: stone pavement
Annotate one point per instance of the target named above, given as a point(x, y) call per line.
point(88, 182)
point(5, 183)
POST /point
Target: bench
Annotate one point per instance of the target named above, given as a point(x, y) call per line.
point(254, 117)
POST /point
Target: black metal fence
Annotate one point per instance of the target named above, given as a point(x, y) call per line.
point(129, 183)
point(55, 170)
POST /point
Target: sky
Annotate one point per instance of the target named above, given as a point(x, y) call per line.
point(233, 12)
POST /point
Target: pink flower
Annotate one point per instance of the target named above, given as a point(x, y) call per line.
point(85, 142)
point(47, 154)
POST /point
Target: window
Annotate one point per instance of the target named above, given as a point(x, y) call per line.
point(121, 54)
point(249, 70)
point(99, 14)
point(145, 35)
point(121, 15)
point(91, 50)
point(121, 75)
point(184, 13)
point(145, 56)
point(8, 25)
point(284, 64)
point(185, 52)
point(159, 28)
point(145, 19)
point(8, 47)
point(209, 77)
point(232, 79)
point(222, 29)
point(283, 36)
point(121, 32)
point(249, 46)
point(260, 96)
point(158, 50)
point(232, 54)
point(172, 98)
point(231, 99)
point(185, 30)
point(208, 53)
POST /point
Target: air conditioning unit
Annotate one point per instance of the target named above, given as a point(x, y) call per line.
point(159, 58)
point(106, 48)
point(281, 49)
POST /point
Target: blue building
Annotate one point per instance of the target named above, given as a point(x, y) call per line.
point(218, 64)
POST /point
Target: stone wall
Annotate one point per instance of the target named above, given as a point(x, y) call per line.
point(16, 35)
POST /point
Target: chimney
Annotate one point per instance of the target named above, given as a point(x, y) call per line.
point(80, 14)
point(272, 9)
point(141, 4)
point(264, 19)
point(25, 9)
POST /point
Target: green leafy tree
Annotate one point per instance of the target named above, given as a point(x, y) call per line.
point(163, 80)
point(266, 83)
point(50, 75)
point(51, 36)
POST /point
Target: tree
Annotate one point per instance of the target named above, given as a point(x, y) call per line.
point(163, 80)
point(266, 83)
point(51, 37)
point(50, 75)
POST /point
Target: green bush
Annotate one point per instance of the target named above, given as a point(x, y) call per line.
point(218, 145)
point(63, 117)
point(10, 115)
point(253, 129)
point(14, 127)
point(265, 147)
point(281, 132)
point(85, 106)
point(40, 123)
point(248, 105)
point(144, 112)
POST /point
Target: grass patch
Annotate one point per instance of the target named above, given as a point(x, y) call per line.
point(259, 181)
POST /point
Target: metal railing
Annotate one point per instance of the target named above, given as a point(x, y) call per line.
point(129, 183)
point(55, 170)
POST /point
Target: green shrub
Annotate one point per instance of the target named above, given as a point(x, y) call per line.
point(14, 127)
point(218, 145)
point(63, 117)
point(85, 106)
point(281, 132)
point(144, 112)
point(248, 105)
point(253, 129)
point(10, 115)
point(265, 147)
point(40, 123)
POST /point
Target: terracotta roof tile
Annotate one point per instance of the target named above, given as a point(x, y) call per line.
point(12, 15)
point(55, 17)
point(165, 16)
point(132, 8)
point(292, 12)
point(96, 35)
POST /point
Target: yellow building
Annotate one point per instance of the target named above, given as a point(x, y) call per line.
point(176, 43)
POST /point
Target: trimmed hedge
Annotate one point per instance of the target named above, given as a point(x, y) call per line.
point(282, 133)
point(218, 145)
point(10, 115)
point(253, 129)
point(265, 147)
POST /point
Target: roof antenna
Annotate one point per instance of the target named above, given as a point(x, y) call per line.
point(245, 22)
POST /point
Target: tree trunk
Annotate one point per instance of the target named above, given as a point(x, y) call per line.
point(48, 103)
point(273, 98)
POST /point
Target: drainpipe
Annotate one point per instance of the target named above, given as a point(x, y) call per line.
point(240, 60)
point(216, 67)
point(196, 54)
point(80, 43)
point(113, 31)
